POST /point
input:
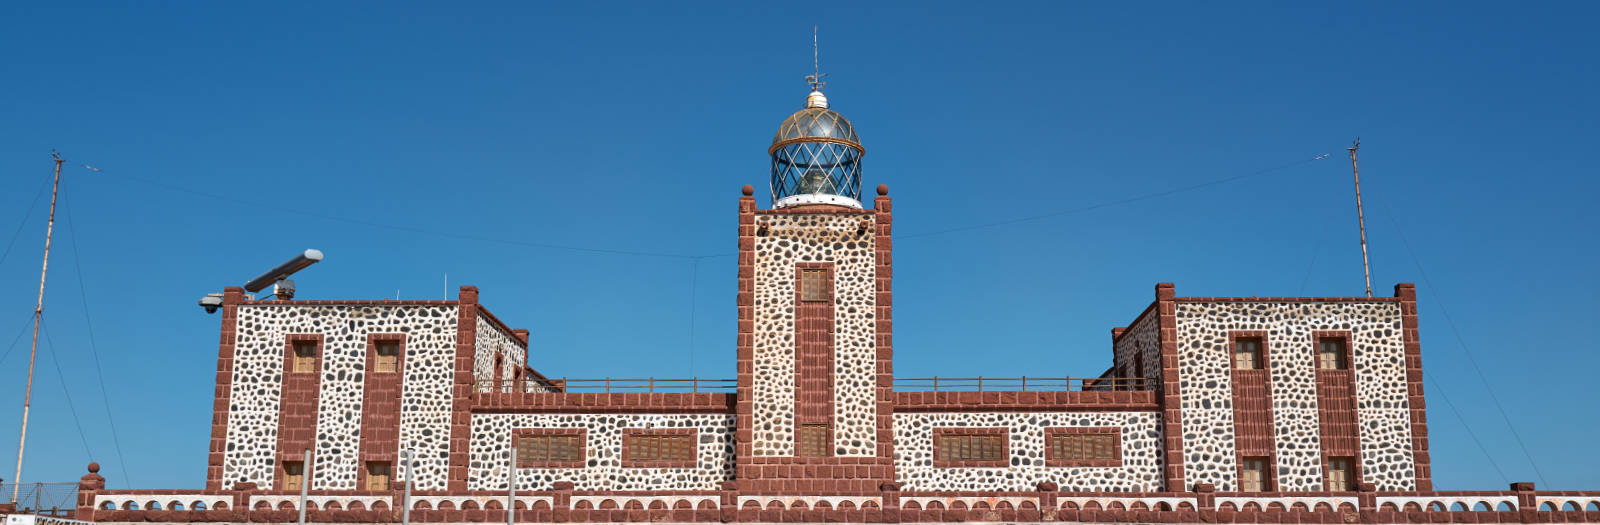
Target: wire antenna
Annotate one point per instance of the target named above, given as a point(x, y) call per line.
point(1361, 220)
point(815, 78)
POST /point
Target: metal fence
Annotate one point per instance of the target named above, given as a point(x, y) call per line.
point(610, 385)
point(1025, 384)
point(45, 499)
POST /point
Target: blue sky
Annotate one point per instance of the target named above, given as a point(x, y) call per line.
point(487, 141)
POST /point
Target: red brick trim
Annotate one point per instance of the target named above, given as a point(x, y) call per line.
point(1337, 411)
point(1005, 446)
point(298, 400)
point(745, 338)
point(1116, 445)
point(813, 344)
point(883, 244)
point(1406, 293)
point(1015, 401)
point(347, 302)
point(627, 450)
point(462, 395)
point(1286, 299)
point(1170, 395)
point(380, 409)
point(604, 403)
point(232, 296)
point(583, 439)
point(816, 210)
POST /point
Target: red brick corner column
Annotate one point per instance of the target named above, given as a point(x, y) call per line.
point(89, 485)
point(461, 415)
point(746, 347)
point(1170, 400)
point(231, 297)
point(1407, 292)
point(883, 218)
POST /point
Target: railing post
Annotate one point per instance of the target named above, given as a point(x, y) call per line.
point(1024, 383)
point(935, 383)
point(652, 388)
point(980, 383)
point(608, 385)
point(694, 387)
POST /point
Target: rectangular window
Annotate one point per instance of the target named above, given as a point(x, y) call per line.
point(814, 284)
point(1082, 447)
point(814, 442)
point(1247, 353)
point(1341, 474)
point(1331, 352)
point(959, 446)
point(660, 447)
point(305, 356)
point(294, 473)
point(1253, 474)
point(564, 449)
point(377, 475)
point(388, 358)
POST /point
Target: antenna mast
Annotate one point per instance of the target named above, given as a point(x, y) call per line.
point(1361, 220)
point(815, 78)
point(38, 312)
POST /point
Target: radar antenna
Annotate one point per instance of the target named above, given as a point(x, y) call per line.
point(815, 78)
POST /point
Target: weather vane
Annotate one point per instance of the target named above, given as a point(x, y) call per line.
point(815, 78)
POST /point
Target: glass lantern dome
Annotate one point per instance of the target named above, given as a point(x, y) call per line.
point(816, 158)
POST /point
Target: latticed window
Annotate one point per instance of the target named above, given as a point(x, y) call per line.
point(1252, 474)
point(814, 442)
point(562, 448)
point(970, 447)
point(1341, 474)
point(1247, 353)
point(677, 448)
point(377, 475)
point(814, 284)
point(1080, 447)
point(388, 358)
point(294, 473)
point(305, 356)
point(1331, 353)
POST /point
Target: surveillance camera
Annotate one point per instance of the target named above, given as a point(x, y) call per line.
point(211, 302)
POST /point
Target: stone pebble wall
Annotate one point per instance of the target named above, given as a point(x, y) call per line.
point(1141, 442)
point(491, 452)
point(815, 238)
point(490, 342)
point(1378, 356)
point(259, 348)
point(1142, 339)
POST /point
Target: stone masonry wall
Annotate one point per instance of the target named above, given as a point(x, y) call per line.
point(1139, 471)
point(1378, 360)
point(493, 341)
point(602, 470)
point(258, 373)
point(797, 238)
point(1143, 339)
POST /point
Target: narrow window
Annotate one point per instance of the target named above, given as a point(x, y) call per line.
point(1083, 447)
point(1341, 474)
point(558, 448)
point(661, 448)
point(1253, 474)
point(377, 475)
point(305, 356)
point(1247, 353)
point(813, 284)
point(970, 447)
point(294, 473)
point(814, 442)
point(388, 359)
point(1331, 354)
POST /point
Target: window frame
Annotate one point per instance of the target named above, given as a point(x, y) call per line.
point(1236, 337)
point(388, 475)
point(1050, 434)
point(631, 460)
point(291, 342)
point(583, 446)
point(1266, 473)
point(825, 270)
point(939, 434)
point(1353, 474)
point(375, 342)
point(827, 440)
point(283, 479)
point(1346, 354)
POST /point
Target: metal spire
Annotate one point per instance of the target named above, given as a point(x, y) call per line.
point(815, 78)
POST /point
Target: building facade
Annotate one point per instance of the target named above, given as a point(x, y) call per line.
point(1305, 409)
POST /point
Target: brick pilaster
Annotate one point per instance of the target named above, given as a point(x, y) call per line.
point(231, 297)
point(1168, 397)
point(745, 340)
point(461, 414)
point(1407, 292)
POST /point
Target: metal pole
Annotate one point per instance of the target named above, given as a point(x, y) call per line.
point(405, 498)
point(304, 484)
point(38, 311)
point(511, 487)
point(1361, 219)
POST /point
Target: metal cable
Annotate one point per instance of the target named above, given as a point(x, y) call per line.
point(17, 340)
point(23, 222)
point(94, 349)
point(1487, 387)
point(66, 391)
point(1439, 389)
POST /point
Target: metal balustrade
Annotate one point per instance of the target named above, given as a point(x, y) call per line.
point(609, 385)
point(1024, 384)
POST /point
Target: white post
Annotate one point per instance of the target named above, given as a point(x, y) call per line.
point(405, 498)
point(305, 483)
point(511, 487)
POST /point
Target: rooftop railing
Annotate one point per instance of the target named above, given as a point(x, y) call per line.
point(610, 385)
point(1024, 384)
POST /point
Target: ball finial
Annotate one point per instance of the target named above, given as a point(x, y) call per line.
point(883, 189)
point(94, 467)
point(748, 190)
